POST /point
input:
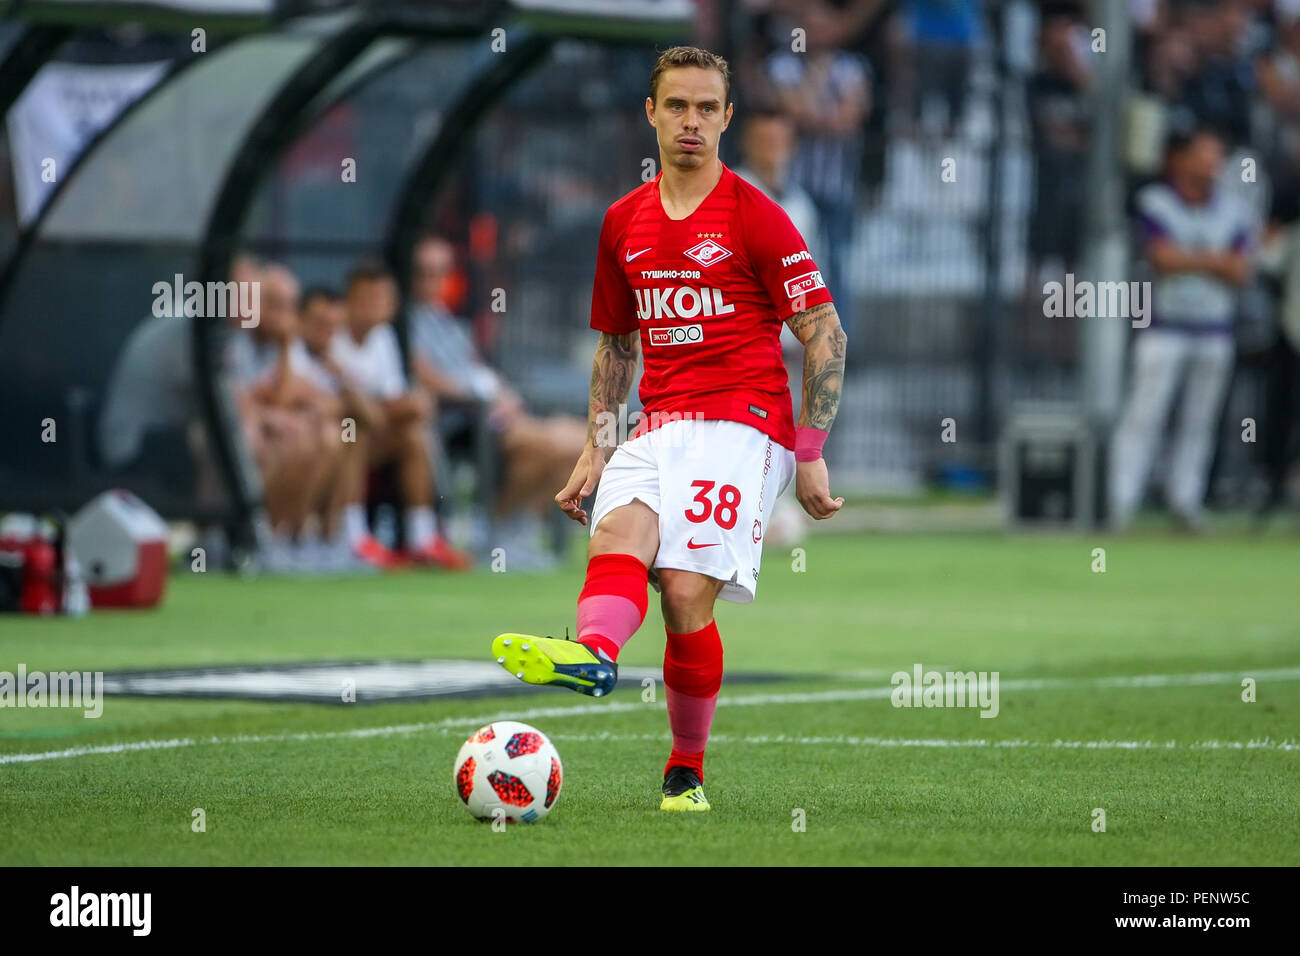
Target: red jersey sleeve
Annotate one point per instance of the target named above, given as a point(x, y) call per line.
point(613, 307)
point(781, 259)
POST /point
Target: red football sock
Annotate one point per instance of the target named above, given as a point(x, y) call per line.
point(692, 676)
point(612, 604)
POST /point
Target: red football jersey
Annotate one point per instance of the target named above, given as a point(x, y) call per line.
point(709, 294)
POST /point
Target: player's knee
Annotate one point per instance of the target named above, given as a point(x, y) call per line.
point(616, 540)
point(687, 599)
point(630, 529)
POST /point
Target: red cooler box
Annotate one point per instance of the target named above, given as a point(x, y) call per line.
point(121, 544)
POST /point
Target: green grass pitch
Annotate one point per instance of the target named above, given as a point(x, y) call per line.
point(1120, 690)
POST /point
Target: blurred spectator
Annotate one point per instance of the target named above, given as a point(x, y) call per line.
point(934, 47)
point(398, 423)
point(322, 317)
point(1221, 91)
point(1279, 425)
point(1197, 240)
point(827, 94)
point(767, 153)
point(1278, 77)
point(1170, 63)
point(289, 424)
point(852, 19)
point(767, 149)
point(1058, 112)
point(538, 453)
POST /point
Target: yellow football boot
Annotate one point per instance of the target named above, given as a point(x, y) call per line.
point(684, 791)
point(549, 660)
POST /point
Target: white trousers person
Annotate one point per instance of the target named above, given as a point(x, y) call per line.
point(1164, 360)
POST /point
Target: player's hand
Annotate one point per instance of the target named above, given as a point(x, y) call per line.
point(586, 473)
point(812, 486)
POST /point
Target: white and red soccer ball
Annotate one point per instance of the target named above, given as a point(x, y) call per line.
point(509, 767)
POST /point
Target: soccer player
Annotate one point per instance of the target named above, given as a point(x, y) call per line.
point(696, 270)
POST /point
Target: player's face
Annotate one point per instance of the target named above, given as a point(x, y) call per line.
point(690, 115)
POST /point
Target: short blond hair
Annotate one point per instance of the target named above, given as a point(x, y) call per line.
point(689, 56)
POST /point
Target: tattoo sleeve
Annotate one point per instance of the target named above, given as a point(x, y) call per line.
point(823, 341)
point(612, 371)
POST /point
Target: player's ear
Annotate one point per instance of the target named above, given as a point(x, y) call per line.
point(726, 119)
point(650, 110)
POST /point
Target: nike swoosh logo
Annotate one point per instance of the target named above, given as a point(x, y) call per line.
point(632, 255)
point(693, 546)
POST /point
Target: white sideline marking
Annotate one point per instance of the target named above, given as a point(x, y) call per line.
point(746, 700)
point(1266, 743)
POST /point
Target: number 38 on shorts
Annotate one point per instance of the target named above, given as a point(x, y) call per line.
point(724, 513)
point(711, 525)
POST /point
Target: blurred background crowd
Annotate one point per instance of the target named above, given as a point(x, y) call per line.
point(331, 410)
point(940, 283)
point(938, 155)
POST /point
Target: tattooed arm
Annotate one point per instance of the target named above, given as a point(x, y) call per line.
point(823, 341)
point(612, 371)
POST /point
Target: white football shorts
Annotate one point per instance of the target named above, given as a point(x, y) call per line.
point(713, 484)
